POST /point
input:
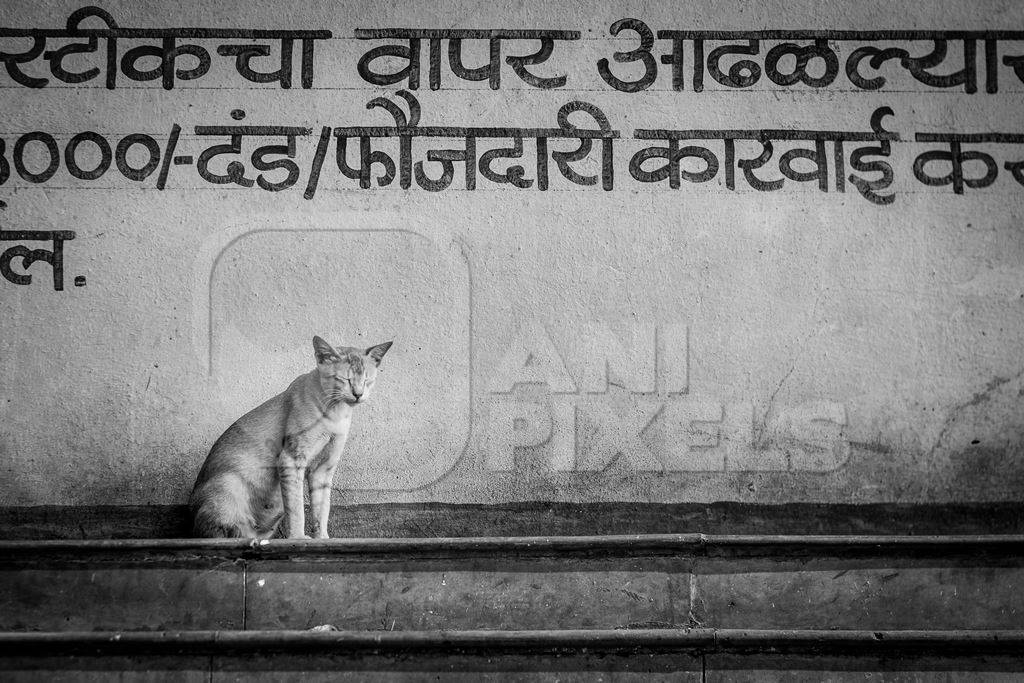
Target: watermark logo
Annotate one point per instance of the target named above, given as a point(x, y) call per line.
point(629, 402)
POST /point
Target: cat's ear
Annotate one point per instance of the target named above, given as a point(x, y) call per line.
point(323, 351)
point(377, 352)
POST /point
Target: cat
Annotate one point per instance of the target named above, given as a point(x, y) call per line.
point(252, 480)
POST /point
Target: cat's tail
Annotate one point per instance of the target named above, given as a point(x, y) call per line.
point(217, 516)
point(205, 525)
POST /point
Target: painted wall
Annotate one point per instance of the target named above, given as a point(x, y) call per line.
point(643, 343)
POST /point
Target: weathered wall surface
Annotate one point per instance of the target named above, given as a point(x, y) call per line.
point(639, 343)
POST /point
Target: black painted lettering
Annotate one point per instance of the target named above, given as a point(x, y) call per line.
point(71, 158)
point(640, 54)
point(53, 162)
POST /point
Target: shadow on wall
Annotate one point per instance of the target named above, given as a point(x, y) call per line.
point(995, 463)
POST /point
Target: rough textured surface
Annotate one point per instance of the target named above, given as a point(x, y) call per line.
point(511, 668)
point(810, 346)
point(515, 584)
point(845, 597)
point(463, 672)
point(89, 669)
point(529, 597)
point(730, 669)
point(841, 676)
point(528, 656)
point(530, 668)
point(119, 597)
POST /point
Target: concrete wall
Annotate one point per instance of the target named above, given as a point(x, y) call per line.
point(579, 344)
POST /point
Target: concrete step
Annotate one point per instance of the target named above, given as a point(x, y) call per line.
point(513, 584)
point(579, 655)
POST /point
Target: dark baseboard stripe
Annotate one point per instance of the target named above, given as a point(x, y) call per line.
point(488, 643)
point(425, 520)
point(978, 549)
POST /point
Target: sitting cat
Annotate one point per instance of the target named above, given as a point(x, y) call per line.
point(252, 478)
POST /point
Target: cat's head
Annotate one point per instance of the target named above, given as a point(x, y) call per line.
point(347, 373)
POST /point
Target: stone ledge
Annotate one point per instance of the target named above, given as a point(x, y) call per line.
point(426, 520)
point(979, 548)
point(597, 641)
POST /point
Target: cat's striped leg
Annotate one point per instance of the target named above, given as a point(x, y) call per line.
point(320, 481)
point(292, 475)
